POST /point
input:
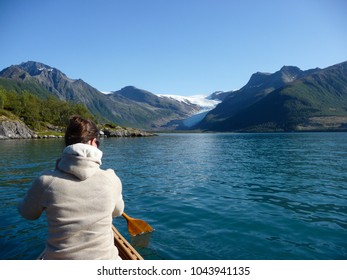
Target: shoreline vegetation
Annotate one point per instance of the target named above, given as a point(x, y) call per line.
point(11, 127)
point(26, 116)
point(14, 128)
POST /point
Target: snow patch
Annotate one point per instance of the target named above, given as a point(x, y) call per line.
point(48, 69)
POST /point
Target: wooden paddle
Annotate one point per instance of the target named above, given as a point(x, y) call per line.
point(137, 226)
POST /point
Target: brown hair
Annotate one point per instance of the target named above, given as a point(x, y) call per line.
point(80, 130)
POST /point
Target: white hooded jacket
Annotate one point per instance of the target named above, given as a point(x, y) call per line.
point(80, 200)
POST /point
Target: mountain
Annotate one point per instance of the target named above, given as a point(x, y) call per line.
point(290, 99)
point(287, 100)
point(259, 85)
point(129, 106)
point(52, 81)
point(219, 95)
point(142, 108)
point(206, 104)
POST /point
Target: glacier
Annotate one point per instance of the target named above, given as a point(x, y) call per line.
point(203, 101)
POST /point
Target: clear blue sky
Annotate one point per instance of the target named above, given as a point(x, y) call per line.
point(182, 47)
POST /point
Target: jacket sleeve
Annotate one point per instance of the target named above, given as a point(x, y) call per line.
point(31, 208)
point(118, 196)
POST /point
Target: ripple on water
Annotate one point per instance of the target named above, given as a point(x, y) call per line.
point(208, 196)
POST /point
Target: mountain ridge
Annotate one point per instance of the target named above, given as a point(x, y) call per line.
point(124, 109)
point(259, 85)
point(314, 93)
point(289, 99)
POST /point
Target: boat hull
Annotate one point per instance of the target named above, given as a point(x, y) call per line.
point(126, 251)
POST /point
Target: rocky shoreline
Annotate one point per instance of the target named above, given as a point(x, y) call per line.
point(16, 129)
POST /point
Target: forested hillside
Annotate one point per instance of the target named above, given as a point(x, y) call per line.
point(38, 112)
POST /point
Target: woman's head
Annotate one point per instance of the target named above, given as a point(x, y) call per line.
point(81, 130)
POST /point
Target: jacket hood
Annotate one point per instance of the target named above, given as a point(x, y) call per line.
point(80, 160)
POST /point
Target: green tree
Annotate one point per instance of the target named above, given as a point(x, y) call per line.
point(13, 103)
point(3, 98)
point(31, 106)
point(50, 110)
point(34, 110)
point(79, 109)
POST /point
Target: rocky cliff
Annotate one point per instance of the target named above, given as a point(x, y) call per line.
point(14, 129)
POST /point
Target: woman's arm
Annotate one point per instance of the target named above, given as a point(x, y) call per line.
point(30, 207)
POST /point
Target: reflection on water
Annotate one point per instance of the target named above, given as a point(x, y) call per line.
point(208, 196)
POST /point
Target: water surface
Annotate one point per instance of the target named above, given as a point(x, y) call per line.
point(208, 196)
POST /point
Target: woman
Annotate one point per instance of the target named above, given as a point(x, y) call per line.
point(79, 198)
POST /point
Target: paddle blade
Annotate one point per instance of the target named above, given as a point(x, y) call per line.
point(137, 226)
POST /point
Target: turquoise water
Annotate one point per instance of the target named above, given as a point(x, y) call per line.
point(208, 196)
